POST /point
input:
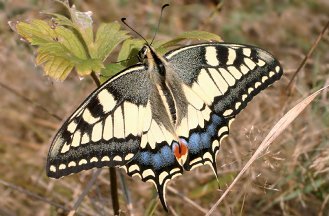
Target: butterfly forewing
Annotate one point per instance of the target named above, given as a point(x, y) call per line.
point(106, 129)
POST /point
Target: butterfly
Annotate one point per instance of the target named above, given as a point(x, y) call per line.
point(165, 115)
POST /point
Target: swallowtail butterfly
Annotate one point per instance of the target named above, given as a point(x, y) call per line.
point(165, 115)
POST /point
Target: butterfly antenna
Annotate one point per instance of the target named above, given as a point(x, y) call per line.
point(163, 7)
point(124, 22)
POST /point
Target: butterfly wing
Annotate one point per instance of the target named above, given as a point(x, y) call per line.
point(106, 129)
point(219, 80)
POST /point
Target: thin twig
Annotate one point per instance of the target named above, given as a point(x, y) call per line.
point(308, 55)
point(114, 190)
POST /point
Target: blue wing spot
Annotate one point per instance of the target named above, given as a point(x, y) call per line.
point(194, 143)
point(145, 158)
point(162, 158)
point(198, 141)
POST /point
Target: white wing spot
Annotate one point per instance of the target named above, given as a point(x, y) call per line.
point(162, 176)
point(62, 166)
point(222, 130)
point(117, 158)
point(244, 97)
point(93, 159)
point(148, 172)
point(249, 63)
point(72, 164)
point(146, 117)
point(174, 170)
point(227, 76)
point(130, 118)
point(277, 69)
point(72, 126)
point(182, 129)
point(271, 74)
point(208, 84)
point(76, 139)
point(97, 132)
point(246, 51)
point(206, 113)
point(264, 78)
point(235, 72)
point(192, 117)
point(65, 148)
point(118, 124)
point(192, 98)
point(108, 128)
point(220, 82)
point(87, 117)
point(82, 161)
point(157, 132)
point(52, 168)
point(244, 69)
point(215, 144)
point(211, 56)
point(237, 105)
point(133, 168)
point(107, 100)
point(260, 63)
point(250, 90)
point(228, 112)
point(207, 155)
point(129, 156)
point(257, 84)
point(196, 160)
point(105, 158)
point(85, 139)
point(231, 56)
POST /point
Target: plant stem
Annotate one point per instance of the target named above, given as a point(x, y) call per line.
point(113, 175)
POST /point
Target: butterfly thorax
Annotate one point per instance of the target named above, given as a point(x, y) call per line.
point(167, 106)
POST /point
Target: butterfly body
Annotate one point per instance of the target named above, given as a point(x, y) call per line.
point(165, 115)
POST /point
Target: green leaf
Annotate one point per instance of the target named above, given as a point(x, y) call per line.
point(108, 37)
point(110, 70)
point(128, 54)
point(191, 35)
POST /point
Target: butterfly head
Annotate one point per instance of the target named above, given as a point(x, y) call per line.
point(143, 52)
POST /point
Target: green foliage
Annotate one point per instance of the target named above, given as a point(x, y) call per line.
point(64, 44)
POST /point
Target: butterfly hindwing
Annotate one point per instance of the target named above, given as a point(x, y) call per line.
point(106, 129)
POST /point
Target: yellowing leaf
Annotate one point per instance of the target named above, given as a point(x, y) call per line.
point(37, 32)
point(85, 67)
point(108, 37)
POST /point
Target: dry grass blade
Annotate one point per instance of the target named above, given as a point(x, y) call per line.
point(282, 124)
